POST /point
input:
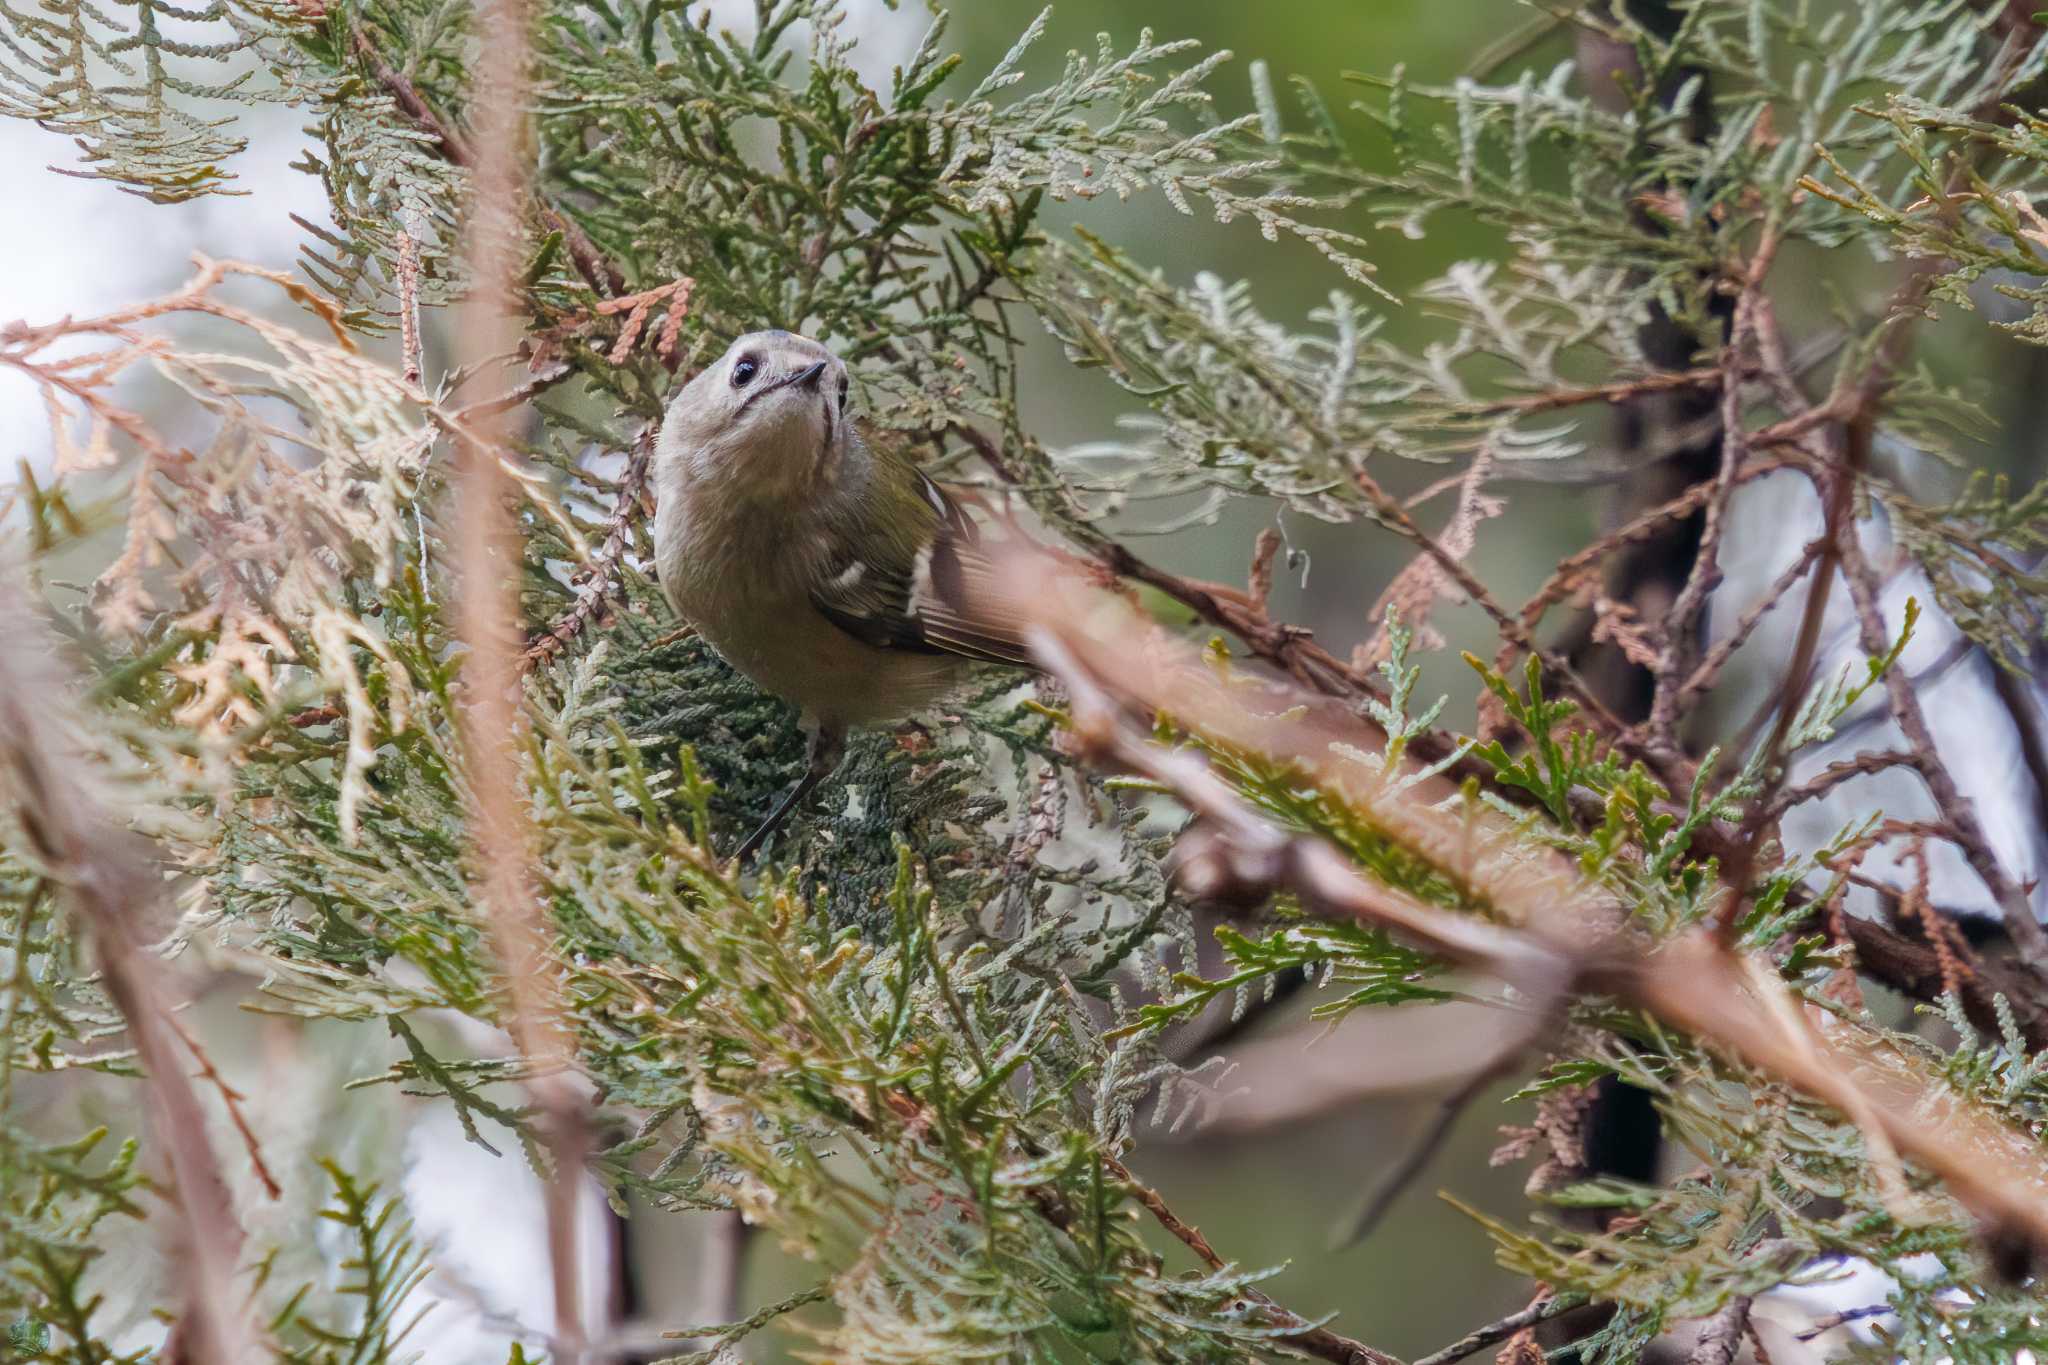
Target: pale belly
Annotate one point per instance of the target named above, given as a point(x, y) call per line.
point(745, 588)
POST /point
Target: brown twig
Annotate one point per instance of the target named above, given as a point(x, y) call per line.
point(1716, 658)
point(1546, 1307)
point(407, 97)
point(1679, 655)
point(1572, 572)
point(593, 265)
point(2021, 709)
point(518, 396)
point(1620, 391)
point(1957, 812)
point(1865, 764)
point(601, 572)
point(1424, 1147)
point(1839, 491)
point(1319, 1342)
point(1184, 1232)
point(231, 1100)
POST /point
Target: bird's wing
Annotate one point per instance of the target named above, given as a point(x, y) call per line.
point(914, 593)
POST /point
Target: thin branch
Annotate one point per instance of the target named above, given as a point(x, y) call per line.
point(514, 398)
point(1572, 571)
point(1839, 489)
point(1493, 1333)
point(726, 1238)
point(1187, 1234)
point(2026, 723)
point(1681, 631)
point(1721, 1335)
point(231, 1100)
point(1716, 659)
point(1865, 764)
point(1319, 1342)
point(1422, 1148)
point(408, 98)
point(1957, 812)
point(597, 270)
point(1620, 391)
point(727, 1332)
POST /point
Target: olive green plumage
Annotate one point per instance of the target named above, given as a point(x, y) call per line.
point(828, 569)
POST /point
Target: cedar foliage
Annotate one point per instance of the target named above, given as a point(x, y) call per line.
point(916, 1045)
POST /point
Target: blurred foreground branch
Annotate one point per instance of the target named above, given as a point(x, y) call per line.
point(488, 554)
point(115, 886)
point(1538, 925)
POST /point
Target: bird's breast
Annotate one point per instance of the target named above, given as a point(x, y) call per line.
point(744, 581)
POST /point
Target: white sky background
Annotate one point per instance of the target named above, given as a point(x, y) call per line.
point(80, 247)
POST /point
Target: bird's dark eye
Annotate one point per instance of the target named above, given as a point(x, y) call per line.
point(843, 387)
point(744, 371)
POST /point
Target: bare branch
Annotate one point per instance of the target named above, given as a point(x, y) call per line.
point(1956, 810)
point(1546, 1307)
point(1717, 657)
point(598, 271)
point(1422, 1148)
point(1681, 630)
point(1319, 1342)
point(231, 1100)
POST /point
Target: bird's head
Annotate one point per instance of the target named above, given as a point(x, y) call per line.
point(769, 414)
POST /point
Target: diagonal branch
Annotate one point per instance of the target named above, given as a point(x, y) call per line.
point(1319, 1342)
point(1549, 932)
point(1546, 1307)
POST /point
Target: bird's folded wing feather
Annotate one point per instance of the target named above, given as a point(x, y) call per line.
point(914, 594)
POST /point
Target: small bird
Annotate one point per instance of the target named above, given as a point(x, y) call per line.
point(827, 568)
